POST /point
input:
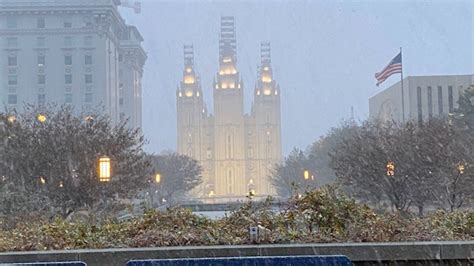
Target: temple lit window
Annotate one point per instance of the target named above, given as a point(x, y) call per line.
point(232, 85)
point(265, 68)
point(197, 94)
point(238, 85)
point(227, 60)
point(188, 70)
point(221, 72)
point(188, 79)
point(180, 94)
point(266, 79)
point(217, 86)
point(189, 93)
point(267, 91)
point(224, 85)
point(276, 92)
point(258, 92)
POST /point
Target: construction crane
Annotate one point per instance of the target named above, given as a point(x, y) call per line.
point(136, 6)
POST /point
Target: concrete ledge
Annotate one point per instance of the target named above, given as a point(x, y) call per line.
point(358, 252)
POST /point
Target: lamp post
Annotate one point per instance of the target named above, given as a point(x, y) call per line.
point(251, 193)
point(461, 168)
point(306, 176)
point(157, 178)
point(11, 119)
point(105, 169)
point(390, 167)
point(41, 118)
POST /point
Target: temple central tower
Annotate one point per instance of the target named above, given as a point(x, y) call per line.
point(236, 150)
point(229, 116)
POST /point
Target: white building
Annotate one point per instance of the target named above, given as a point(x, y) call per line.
point(424, 97)
point(236, 150)
point(69, 51)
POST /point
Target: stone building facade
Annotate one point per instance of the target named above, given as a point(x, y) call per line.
point(236, 150)
point(424, 97)
point(78, 52)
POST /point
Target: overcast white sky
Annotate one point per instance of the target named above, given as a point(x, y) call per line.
point(324, 54)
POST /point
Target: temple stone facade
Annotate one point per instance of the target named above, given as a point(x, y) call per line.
point(236, 150)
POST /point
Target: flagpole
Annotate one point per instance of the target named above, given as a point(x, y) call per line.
point(403, 94)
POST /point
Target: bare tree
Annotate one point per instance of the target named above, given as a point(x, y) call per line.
point(178, 175)
point(50, 159)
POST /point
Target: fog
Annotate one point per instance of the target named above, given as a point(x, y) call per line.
point(324, 55)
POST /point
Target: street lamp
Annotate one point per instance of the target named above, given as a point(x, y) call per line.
point(158, 178)
point(306, 174)
point(251, 193)
point(390, 168)
point(461, 168)
point(89, 118)
point(104, 169)
point(11, 119)
point(211, 193)
point(41, 118)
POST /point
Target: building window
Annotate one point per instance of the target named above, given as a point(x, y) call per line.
point(230, 181)
point(269, 137)
point(12, 60)
point(12, 99)
point(12, 42)
point(88, 22)
point(68, 98)
point(40, 41)
point(250, 152)
point(41, 60)
point(87, 40)
point(11, 22)
point(68, 41)
point(41, 99)
point(41, 79)
point(430, 102)
point(229, 151)
point(67, 22)
point(440, 100)
point(450, 99)
point(40, 23)
point(121, 101)
point(88, 97)
point(88, 78)
point(12, 79)
point(68, 60)
point(68, 79)
point(419, 106)
point(269, 152)
point(88, 59)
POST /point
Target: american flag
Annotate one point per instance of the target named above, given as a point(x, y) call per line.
point(395, 66)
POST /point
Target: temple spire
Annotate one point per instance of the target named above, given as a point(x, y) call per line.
point(227, 39)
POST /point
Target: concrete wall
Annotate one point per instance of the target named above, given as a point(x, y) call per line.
point(403, 253)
